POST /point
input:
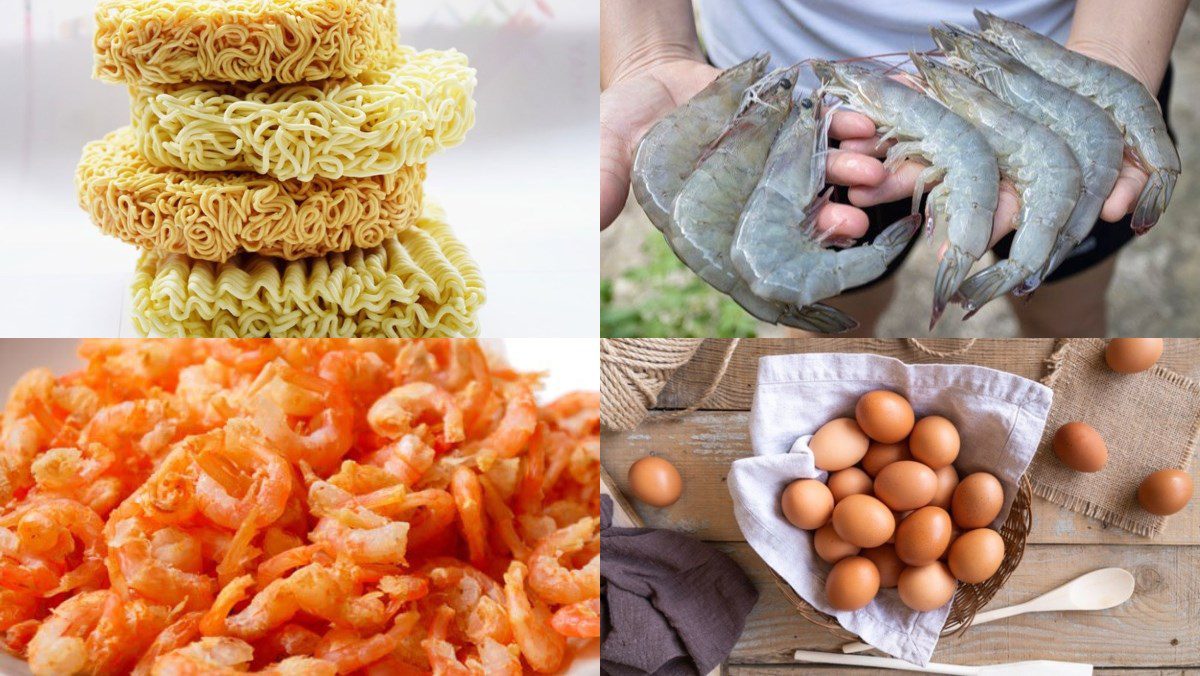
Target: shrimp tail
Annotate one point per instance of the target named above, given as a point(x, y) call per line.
point(819, 318)
point(951, 272)
point(1153, 200)
point(991, 283)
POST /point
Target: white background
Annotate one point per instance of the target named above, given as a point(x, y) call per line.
point(521, 191)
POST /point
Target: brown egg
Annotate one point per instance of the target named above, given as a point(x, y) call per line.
point(923, 536)
point(977, 501)
point(852, 583)
point(830, 547)
point(655, 481)
point(885, 416)
point(849, 481)
point(947, 481)
point(1079, 446)
point(905, 485)
point(889, 565)
point(927, 587)
point(976, 555)
point(1132, 355)
point(881, 455)
point(955, 531)
point(807, 504)
point(838, 444)
point(863, 521)
point(1165, 492)
point(934, 441)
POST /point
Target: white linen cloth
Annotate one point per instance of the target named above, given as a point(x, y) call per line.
point(999, 417)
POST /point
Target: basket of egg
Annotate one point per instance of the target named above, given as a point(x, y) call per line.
point(894, 513)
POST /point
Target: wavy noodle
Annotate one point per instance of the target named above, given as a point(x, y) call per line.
point(213, 216)
point(170, 41)
point(413, 105)
point(422, 282)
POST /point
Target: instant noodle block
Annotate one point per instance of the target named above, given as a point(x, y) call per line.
point(169, 41)
point(388, 117)
point(422, 282)
point(213, 216)
point(303, 507)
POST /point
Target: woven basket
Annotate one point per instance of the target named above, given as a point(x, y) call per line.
point(969, 599)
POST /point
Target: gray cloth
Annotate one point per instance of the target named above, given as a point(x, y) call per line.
point(670, 604)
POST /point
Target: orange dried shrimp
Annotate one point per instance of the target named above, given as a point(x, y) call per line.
point(296, 506)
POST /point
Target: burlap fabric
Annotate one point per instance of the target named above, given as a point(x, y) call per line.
point(1149, 421)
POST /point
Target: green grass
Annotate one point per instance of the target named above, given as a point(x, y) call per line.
point(662, 298)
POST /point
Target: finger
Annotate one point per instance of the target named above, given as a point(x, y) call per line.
point(867, 146)
point(898, 184)
point(846, 168)
point(842, 220)
point(615, 162)
point(1124, 194)
point(1008, 205)
point(850, 125)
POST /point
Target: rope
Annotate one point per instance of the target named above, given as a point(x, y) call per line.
point(966, 347)
point(633, 371)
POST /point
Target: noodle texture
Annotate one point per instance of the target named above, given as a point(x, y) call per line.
point(213, 216)
point(170, 41)
point(421, 283)
point(398, 114)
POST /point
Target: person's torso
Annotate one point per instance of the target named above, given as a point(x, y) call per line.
point(792, 30)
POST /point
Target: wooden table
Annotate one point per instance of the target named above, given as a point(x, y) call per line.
point(1157, 631)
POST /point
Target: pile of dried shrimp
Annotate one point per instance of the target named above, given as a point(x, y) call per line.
point(306, 506)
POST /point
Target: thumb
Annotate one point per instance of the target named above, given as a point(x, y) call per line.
point(615, 164)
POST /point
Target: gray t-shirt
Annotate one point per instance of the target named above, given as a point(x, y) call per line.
point(792, 30)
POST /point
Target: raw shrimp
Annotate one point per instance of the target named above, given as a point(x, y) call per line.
point(224, 656)
point(1089, 131)
point(1040, 165)
point(556, 583)
point(673, 148)
point(397, 412)
point(709, 203)
point(468, 497)
point(542, 647)
point(224, 466)
point(777, 250)
point(1132, 105)
point(578, 620)
point(965, 200)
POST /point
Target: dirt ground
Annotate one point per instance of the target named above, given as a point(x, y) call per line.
point(1156, 290)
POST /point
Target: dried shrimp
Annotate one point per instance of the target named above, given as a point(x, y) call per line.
point(296, 507)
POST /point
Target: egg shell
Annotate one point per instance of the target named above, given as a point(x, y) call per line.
point(830, 547)
point(1079, 446)
point(954, 533)
point(880, 455)
point(905, 485)
point(807, 504)
point(947, 478)
point(1132, 355)
point(976, 555)
point(885, 416)
point(849, 481)
point(863, 521)
point(838, 444)
point(655, 481)
point(923, 536)
point(1165, 492)
point(927, 587)
point(889, 565)
point(852, 583)
point(934, 441)
point(977, 501)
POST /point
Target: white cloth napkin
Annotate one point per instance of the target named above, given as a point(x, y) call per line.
point(999, 417)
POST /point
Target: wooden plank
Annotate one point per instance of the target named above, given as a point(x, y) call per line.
point(1157, 627)
point(1022, 356)
point(703, 444)
point(822, 670)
